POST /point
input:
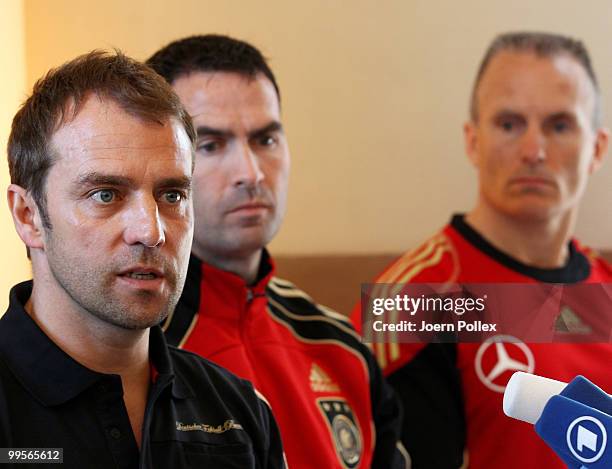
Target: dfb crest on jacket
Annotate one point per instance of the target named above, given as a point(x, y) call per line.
point(344, 429)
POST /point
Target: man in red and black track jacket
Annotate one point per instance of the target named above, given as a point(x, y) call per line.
point(333, 408)
point(534, 137)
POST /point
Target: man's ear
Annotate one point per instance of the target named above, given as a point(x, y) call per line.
point(470, 138)
point(601, 148)
point(26, 216)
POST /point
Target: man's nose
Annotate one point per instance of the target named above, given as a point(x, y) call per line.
point(533, 146)
point(143, 224)
point(247, 168)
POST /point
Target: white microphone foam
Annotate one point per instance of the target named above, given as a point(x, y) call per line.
point(527, 394)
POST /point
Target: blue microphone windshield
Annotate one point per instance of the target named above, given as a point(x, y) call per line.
point(582, 390)
point(577, 425)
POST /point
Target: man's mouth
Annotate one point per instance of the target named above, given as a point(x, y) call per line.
point(141, 274)
point(533, 181)
point(251, 206)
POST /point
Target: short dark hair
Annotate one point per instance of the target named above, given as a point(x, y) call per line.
point(210, 53)
point(544, 45)
point(58, 98)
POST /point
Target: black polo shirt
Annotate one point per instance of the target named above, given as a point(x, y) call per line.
point(197, 414)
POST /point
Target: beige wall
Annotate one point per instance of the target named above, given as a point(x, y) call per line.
point(374, 97)
point(15, 266)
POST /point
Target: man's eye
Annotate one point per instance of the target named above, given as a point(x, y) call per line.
point(209, 146)
point(560, 126)
point(173, 197)
point(267, 140)
point(104, 196)
point(509, 123)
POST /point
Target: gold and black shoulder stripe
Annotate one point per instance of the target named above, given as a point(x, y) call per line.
point(310, 322)
point(404, 270)
point(286, 289)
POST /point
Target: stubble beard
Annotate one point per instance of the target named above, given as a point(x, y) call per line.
point(215, 237)
point(94, 292)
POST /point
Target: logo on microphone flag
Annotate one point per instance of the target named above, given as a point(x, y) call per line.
point(587, 439)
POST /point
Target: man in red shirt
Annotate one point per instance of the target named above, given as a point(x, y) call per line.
point(535, 137)
point(323, 384)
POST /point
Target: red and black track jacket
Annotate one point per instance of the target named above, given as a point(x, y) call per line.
point(326, 391)
point(451, 395)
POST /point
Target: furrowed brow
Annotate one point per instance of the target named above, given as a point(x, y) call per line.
point(100, 179)
point(204, 131)
point(177, 183)
point(506, 113)
point(272, 127)
point(562, 115)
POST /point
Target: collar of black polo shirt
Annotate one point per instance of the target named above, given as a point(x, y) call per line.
point(51, 375)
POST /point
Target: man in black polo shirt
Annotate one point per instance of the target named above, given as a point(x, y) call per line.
point(101, 159)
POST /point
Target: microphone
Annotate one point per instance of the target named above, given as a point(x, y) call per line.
point(574, 419)
point(527, 394)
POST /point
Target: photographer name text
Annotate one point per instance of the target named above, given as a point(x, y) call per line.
point(423, 326)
